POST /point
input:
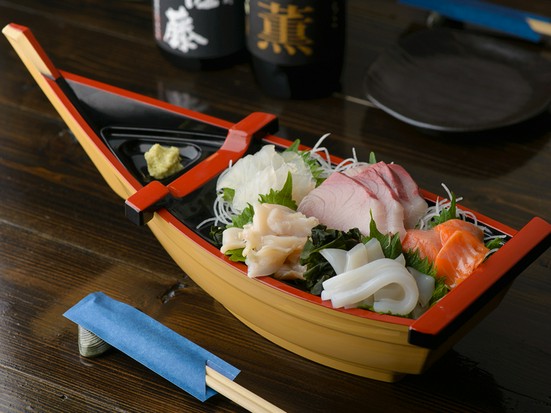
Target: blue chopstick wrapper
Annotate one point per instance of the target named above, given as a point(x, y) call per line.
point(149, 342)
point(490, 15)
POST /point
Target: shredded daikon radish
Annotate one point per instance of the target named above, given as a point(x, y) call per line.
point(441, 204)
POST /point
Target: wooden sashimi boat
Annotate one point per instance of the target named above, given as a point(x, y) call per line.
point(115, 127)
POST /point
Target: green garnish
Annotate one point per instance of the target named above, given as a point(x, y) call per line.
point(440, 290)
point(391, 244)
point(447, 213)
point(284, 196)
point(236, 255)
point(280, 197)
point(495, 243)
point(245, 217)
point(315, 169)
point(423, 265)
point(372, 158)
point(319, 269)
point(228, 194)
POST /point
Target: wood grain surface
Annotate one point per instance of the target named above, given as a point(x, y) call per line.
point(63, 233)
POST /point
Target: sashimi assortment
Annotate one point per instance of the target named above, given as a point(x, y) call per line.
point(358, 234)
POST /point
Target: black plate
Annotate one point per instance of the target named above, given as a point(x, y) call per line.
point(451, 80)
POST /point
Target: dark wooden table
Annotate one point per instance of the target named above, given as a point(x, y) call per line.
point(63, 232)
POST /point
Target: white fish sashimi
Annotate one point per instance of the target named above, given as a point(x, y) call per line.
point(270, 169)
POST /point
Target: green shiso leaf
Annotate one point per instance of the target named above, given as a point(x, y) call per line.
point(318, 269)
point(391, 244)
point(447, 213)
point(244, 218)
point(236, 255)
point(440, 290)
point(423, 265)
point(315, 168)
point(495, 243)
point(228, 194)
point(284, 196)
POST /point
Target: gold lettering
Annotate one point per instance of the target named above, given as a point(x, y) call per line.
point(285, 28)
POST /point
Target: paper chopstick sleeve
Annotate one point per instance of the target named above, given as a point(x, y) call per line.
point(149, 342)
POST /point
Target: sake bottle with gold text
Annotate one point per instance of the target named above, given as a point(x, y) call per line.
point(296, 46)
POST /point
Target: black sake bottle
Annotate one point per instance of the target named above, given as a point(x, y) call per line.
point(296, 46)
point(200, 34)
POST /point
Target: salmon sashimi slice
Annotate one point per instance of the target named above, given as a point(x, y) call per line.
point(459, 257)
point(427, 243)
point(455, 247)
point(448, 228)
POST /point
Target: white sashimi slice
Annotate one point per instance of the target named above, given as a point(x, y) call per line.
point(374, 250)
point(395, 274)
point(356, 277)
point(336, 258)
point(426, 285)
point(356, 257)
point(342, 203)
point(370, 178)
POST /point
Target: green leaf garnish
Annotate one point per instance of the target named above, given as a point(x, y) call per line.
point(423, 265)
point(440, 290)
point(294, 146)
point(372, 158)
point(495, 243)
point(284, 196)
point(315, 168)
point(228, 194)
point(447, 213)
point(391, 244)
point(244, 218)
point(236, 255)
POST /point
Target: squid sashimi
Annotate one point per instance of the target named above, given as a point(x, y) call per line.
point(355, 286)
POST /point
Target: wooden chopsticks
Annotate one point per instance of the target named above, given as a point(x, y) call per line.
point(238, 394)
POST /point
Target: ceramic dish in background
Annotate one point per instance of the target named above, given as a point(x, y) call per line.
point(455, 81)
point(114, 126)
